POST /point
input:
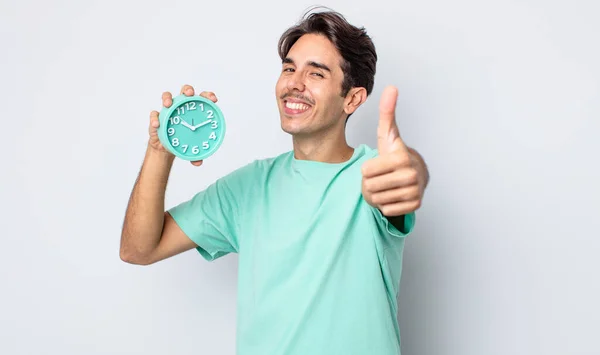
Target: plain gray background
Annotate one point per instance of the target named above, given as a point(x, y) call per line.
point(500, 97)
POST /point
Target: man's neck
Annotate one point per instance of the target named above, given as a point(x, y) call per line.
point(329, 149)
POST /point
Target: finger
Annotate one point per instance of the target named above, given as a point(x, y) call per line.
point(400, 208)
point(167, 99)
point(388, 134)
point(387, 119)
point(387, 108)
point(209, 95)
point(384, 164)
point(197, 162)
point(187, 90)
point(402, 194)
point(396, 179)
point(154, 120)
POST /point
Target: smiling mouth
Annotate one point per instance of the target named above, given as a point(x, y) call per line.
point(295, 108)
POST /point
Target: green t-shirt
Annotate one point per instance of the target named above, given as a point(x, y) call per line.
point(319, 268)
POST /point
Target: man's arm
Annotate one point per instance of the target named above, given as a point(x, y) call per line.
point(149, 233)
point(395, 180)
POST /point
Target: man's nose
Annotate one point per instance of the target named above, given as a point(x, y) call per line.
point(296, 82)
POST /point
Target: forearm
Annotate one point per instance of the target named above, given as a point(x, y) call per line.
point(144, 217)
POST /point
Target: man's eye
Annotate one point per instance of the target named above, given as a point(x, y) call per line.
point(288, 69)
point(318, 74)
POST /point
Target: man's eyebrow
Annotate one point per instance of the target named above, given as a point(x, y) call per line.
point(319, 65)
point(288, 60)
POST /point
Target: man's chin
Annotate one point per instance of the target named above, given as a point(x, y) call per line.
point(293, 129)
point(296, 125)
point(290, 130)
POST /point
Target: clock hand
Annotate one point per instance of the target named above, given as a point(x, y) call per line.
point(202, 124)
point(188, 125)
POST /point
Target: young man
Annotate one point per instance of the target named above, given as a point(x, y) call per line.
point(320, 230)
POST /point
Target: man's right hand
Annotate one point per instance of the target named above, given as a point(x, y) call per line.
point(167, 101)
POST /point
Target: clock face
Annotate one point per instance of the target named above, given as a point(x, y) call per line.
point(194, 129)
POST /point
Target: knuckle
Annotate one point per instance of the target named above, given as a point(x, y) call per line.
point(376, 199)
point(417, 204)
point(386, 210)
point(412, 175)
point(367, 186)
point(410, 193)
point(401, 195)
point(366, 168)
point(417, 192)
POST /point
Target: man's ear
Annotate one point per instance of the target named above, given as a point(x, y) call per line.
point(354, 98)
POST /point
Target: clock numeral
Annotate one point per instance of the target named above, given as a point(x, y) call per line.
point(210, 114)
point(190, 106)
point(184, 147)
point(212, 136)
point(175, 120)
point(175, 142)
point(201, 105)
point(195, 150)
point(180, 111)
point(205, 145)
point(214, 124)
point(171, 131)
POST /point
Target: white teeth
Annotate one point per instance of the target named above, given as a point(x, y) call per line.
point(296, 106)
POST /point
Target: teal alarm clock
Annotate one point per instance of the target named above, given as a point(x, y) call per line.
point(192, 128)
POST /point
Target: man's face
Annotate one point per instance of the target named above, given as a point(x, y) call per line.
point(309, 88)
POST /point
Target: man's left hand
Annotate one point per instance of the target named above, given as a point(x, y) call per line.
point(394, 181)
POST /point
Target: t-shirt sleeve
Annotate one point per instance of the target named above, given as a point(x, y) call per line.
point(387, 226)
point(209, 219)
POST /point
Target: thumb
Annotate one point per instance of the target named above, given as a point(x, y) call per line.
point(388, 134)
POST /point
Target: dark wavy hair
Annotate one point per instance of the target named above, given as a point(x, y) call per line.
point(356, 48)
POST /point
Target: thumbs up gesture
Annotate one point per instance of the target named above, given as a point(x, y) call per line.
point(393, 181)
